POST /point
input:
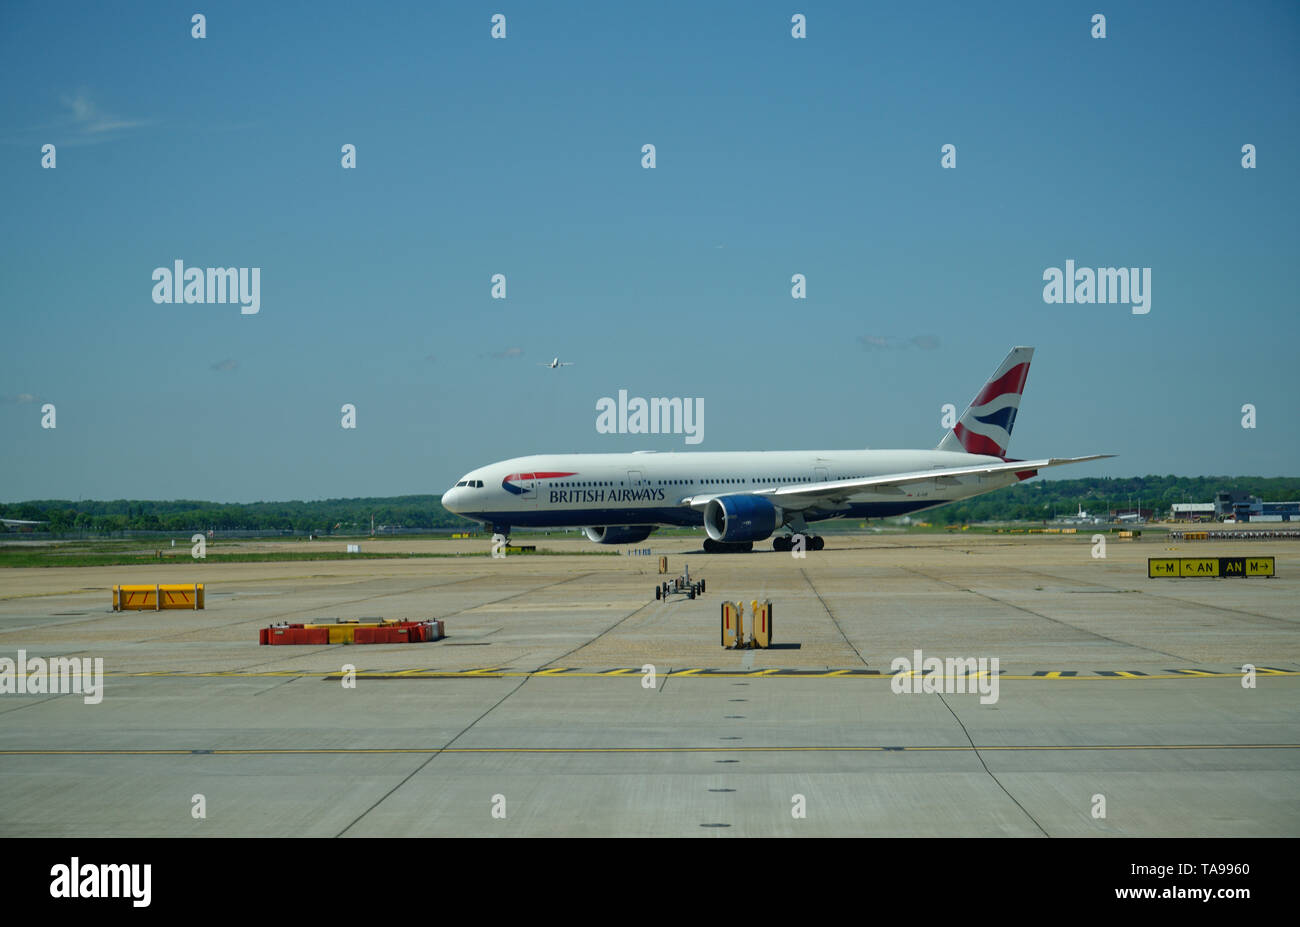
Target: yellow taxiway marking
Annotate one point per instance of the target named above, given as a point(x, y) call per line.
point(560, 672)
point(367, 751)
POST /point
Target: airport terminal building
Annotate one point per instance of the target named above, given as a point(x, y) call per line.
point(1243, 507)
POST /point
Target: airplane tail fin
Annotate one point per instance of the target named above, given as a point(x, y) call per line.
point(985, 426)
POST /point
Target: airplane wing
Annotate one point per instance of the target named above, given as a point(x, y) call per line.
point(836, 492)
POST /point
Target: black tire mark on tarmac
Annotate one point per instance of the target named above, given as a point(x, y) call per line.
point(1030, 611)
point(513, 595)
point(980, 757)
point(230, 624)
point(1285, 622)
point(635, 611)
point(434, 756)
point(831, 615)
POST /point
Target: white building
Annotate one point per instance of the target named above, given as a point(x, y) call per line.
point(1193, 511)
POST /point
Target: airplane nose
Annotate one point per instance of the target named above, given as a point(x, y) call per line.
point(449, 499)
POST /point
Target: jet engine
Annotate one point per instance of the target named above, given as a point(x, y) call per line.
point(735, 519)
point(618, 534)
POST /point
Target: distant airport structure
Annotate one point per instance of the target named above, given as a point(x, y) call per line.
point(1243, 507)
point(1235, 506)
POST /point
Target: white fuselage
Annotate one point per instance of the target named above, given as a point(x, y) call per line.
point(650, 488)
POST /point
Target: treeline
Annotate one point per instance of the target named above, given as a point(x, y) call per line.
point(1036, 500)
point(321, 517)
point(1039, 499)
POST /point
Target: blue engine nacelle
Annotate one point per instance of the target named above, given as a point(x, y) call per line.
point(735, 519)
point(619, 534)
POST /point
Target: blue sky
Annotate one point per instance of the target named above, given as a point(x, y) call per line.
point(522, 156)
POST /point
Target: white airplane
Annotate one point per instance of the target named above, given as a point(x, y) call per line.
point(745, 496)
point(1081, 518)
point(556, 362)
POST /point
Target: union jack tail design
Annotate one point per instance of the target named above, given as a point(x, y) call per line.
point(985, 426)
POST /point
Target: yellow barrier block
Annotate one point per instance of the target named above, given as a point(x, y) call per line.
point(346, 627)
point(158, 597)
point(733, 624)
point(763, 624)
point(342, 633)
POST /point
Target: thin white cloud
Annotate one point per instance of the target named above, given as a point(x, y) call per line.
point(89, 120)
point(889, 343)
point(80, 121)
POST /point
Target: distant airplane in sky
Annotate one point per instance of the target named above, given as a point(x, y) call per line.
point(743, 497)
point(556, 362)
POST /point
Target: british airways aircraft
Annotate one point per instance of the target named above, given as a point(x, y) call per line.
point(745, 496)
